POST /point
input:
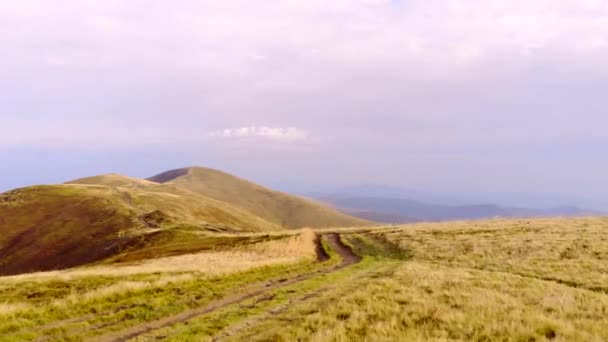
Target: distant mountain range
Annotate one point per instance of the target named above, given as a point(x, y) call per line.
point(398, 205)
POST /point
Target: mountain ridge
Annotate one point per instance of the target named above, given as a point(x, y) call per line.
point(281, 208)
point(92, 219)
point(413, 210)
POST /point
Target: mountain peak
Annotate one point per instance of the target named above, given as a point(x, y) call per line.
point(170, 175)
point(277, 207)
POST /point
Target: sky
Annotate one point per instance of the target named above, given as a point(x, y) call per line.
point(475, 96)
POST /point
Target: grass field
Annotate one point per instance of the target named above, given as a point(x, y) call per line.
point(515, 280)
point(496, 280)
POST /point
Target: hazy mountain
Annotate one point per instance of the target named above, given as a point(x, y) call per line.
point(380, 217)
point(412, 210)
point(544, 202)
point(385, 191)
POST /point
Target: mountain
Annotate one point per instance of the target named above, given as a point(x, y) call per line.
point(380, 217)
point(103, 217)
point(503, 199)
point(386, 191)
point(280, 208)
point(414, 210)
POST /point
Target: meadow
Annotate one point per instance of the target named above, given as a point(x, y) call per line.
point(492, 280)
point(496, 280)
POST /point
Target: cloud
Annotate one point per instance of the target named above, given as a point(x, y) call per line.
point(412, 90)
point(277, 134)
point(358, 70)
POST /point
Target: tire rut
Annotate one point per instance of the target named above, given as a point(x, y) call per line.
point(231, 331)
point(348, 258)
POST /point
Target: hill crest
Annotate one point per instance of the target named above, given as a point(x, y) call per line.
point(280, 208)
point(112, 179)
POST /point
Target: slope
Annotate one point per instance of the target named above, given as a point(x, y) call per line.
point(283, 209)
point(59, 226)
point(113, 179)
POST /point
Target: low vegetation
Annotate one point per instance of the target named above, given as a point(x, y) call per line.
point(495, 280)
point(66, 304)
point(572, 252)
point(499, 280)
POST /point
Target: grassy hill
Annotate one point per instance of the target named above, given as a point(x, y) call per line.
point(281, 208)
point(114, 217)
point(48, 227)
point(58, 226)
point(113, 179)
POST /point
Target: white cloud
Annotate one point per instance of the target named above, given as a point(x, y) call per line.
point(289, 134)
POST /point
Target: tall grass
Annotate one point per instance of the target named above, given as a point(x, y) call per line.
point(301, 245)
point(493, 280)
point(295, 247)
point(571, 251)
point(8, 309)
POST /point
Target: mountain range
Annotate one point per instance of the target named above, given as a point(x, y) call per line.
point(403, 210)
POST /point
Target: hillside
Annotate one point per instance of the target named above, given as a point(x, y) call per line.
point(113, 179)
point(58, 226)
point(277, 207)
point(109, 216)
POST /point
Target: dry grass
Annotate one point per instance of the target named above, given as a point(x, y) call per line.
point(121, 288)
point(296, 246)
point(571, 251)
point(53, 218)
point(302, 245)
point(494, 280)
point(8, 309)
point(423, 302)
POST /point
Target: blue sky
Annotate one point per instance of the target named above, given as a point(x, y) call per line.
point(451, 96)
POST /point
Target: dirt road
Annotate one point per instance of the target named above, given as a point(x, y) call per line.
point(334, 241)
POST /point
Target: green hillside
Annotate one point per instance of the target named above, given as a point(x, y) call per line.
point(281, 208)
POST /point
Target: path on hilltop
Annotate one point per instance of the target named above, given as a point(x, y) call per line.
point(346, 254)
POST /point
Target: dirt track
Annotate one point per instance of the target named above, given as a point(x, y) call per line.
point(348, 258)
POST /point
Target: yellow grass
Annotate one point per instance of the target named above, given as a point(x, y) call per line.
point(8, 309)
point(423, 302)
point(568, 250)
point(492, 280)
point(297, 246)
point(301, 245)
point(120, 288)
